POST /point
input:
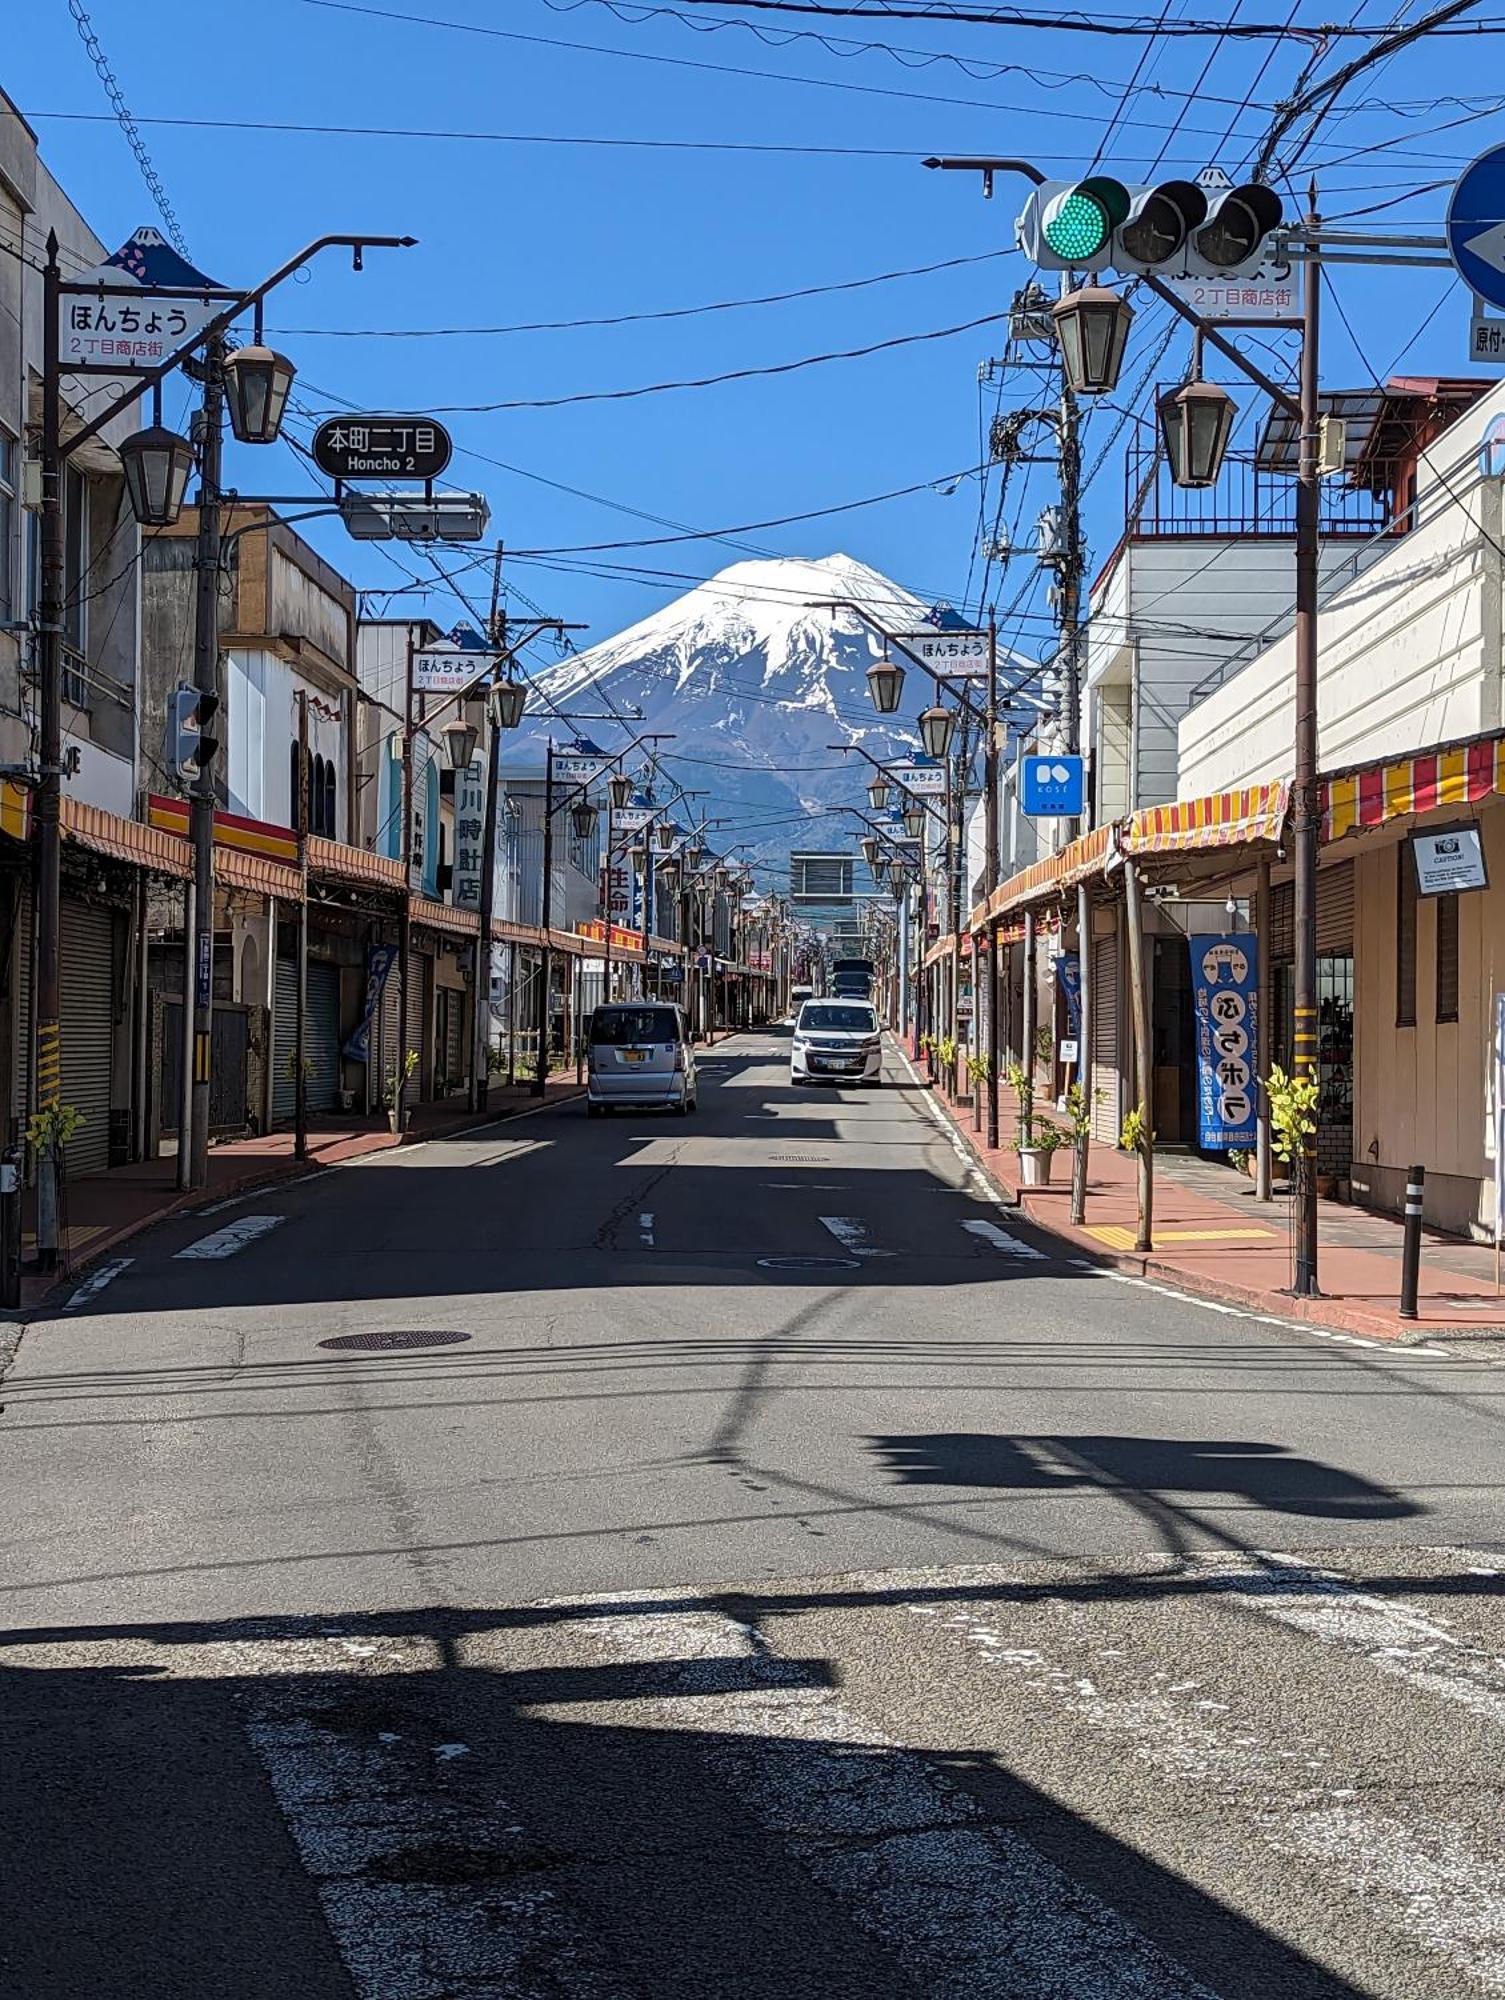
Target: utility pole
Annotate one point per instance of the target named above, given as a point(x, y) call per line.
point(300, 1019)
point(1305, 788)
point(47, 1075)
point(545, 966)
point(405, 921)
point(198, 969)
point(480, 1040)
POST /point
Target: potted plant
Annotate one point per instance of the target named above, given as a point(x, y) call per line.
point(1079, 1103)
point(398, 1113)
point(1293, 1119)
point(1035, 1155)
point(1018, 1079)
point(945, 1050)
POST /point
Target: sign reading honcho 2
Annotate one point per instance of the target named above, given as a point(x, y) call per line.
point(381, 447)
point(1225, 988)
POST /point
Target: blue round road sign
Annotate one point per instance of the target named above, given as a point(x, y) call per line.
point(1476, 227)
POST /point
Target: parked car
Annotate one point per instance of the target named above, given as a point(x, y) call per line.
point(640, 1055)
point(836, 1041)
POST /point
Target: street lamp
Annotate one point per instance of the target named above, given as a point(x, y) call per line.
point(583, 819)
point(870, 853)
point(1196, 422)
point(885, 683)
point(664, 832)
point(156, 463)
point(1093, 327)
point(877, 794)
point(507, 699)
point(619, 790)
point(914, 820)
point(936, 727)
point(694, 856)
point(256, 384)
point(460, 738)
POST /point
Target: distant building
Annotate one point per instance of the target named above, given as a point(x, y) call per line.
point(823, 891)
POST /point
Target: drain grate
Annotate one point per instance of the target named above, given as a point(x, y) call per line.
point(388, 1338)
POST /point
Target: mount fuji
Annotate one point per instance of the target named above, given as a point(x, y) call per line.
point(756, 684)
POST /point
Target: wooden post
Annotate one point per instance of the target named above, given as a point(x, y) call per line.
point(1263, 1176)
point(1085, 1001)
point(1027, 1030)
point(1139, 995)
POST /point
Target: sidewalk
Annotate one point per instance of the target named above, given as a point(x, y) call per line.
point(1213, 1238)
point(100, 1211)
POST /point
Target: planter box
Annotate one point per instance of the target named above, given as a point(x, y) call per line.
point(1034, 1166)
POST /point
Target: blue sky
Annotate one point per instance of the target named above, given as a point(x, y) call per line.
point(514, 232)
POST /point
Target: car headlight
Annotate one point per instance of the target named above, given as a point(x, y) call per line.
point(799, 1045)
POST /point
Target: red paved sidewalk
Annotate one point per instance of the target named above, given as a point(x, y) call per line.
point(100, 1211)
point(1237, 1248)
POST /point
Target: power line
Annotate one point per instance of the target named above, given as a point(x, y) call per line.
point(640, 318)
point(1079, 24)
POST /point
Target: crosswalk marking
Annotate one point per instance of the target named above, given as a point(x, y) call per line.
point(234, 1236)
point(95, 1283)
point(1000, 1239)
point(851, 1232)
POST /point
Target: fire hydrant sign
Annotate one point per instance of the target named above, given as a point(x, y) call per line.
point(1225, 993)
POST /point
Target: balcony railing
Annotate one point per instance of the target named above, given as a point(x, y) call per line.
point(1248, 501)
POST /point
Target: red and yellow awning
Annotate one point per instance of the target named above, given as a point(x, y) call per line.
point(15, 809)
point(1221, 819)
point(1429, 782)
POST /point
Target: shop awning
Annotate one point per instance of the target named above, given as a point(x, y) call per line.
point(334, 861)
point(443, 917)
point(1432, 781)
point(259, 873)
point(1221, 819)
point(15, 809)
point(1073, 863)
point(124, 839)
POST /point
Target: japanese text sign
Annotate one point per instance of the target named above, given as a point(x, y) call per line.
point(1225, 994)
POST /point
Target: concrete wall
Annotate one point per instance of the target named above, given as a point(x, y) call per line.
point(1421, 1094)
point(1408, 653)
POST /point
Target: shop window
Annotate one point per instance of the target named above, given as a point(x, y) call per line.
point(1447, 958)
point(1405, 936)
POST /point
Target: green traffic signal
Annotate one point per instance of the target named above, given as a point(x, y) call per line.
point(1080, 221)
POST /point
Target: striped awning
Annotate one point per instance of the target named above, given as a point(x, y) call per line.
point(1432, 781)
point(124, 839)
point(1221, 819)
point(1073, 863)
point(15, 809)
point(259, 873)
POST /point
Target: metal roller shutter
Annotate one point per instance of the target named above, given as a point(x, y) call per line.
point(418, 1011)
point(1104, 1000)
point(88, 1023)
point(321, 1038)
point(1334, 914)
point(21, 984)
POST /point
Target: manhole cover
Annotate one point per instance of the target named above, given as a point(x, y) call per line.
point(808, 1263)
point(385, 1339)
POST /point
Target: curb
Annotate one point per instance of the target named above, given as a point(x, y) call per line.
point(1328, 1315)
point(191, 1200)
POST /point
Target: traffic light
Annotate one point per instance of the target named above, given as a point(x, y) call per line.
point(1174, 228)
point(191, 731)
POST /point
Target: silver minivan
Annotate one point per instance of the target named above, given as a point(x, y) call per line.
point(640, 1054)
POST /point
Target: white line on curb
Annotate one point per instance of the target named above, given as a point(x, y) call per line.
point(95, 1284)
point(1011, 1246)
point(851, 1232)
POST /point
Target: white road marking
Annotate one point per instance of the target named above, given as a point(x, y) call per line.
point(645, 1225)
point(282, 1186)
point(1011, 1246)
point(1422, 1879)
point(851, 1232)
point(973, 1910)
point(234, 1236)
point(96, 1282)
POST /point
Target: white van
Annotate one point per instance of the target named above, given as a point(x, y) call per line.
point(640, 1055)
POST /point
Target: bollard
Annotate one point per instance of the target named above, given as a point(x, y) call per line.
point(10, 1227)
point(1410, 1268)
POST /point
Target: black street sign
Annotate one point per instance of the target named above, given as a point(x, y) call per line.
point(376, 447)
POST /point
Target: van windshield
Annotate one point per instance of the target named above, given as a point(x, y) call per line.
point(848, 1020)
point(621, 1027)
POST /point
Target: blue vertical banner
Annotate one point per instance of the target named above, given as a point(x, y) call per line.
point(1225, 991)
point(1069, 976)
point(380, 958)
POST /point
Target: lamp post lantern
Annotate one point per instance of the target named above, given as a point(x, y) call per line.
point(507, 701)
point(1092, 325)
point(937, 725)
point(257, 381)
point(156, 463)
point(619, 787)
point(885, 683)
point(1196, 422)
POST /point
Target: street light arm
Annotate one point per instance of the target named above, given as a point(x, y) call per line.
point(892, 777)
point(1280, 397)
point(981, 164)
point(222, 321)
point(942, 681)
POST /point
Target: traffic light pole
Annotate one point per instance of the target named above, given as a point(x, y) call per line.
point(198, 969)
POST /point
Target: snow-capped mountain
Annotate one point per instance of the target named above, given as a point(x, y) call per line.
point(756, 684)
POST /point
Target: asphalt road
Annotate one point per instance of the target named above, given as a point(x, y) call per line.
point(732, 1556)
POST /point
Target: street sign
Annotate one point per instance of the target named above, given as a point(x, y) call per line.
point(963, 652)
point(155, 301)
point(1054, 787)
point(1450, 860)
point(381, 447)
point(449, 670)
point(929, 780)
point(1271, 293)
point(1476, 227)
